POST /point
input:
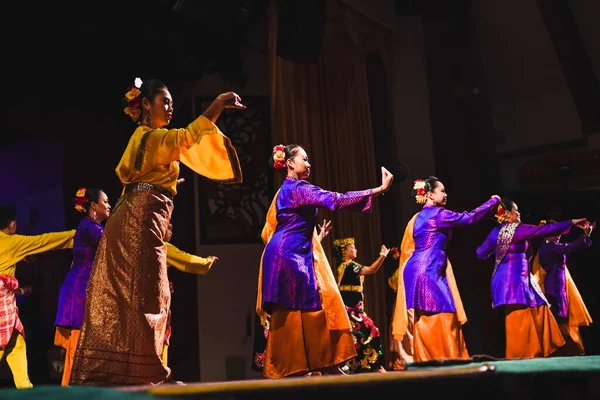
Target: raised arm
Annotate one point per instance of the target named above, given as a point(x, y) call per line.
point(371, 269)
point(528, 232)
point(582, 242)
point(22, 246)
point(306, 194)
point(449, 219)
point(187, 262)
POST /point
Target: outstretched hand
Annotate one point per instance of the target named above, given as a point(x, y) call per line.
point(384, 250)
point(581, 223)
point(386, 179)
point(231, 100)
point(324, 229)
point(214, 259)
point(588, 229)
point(23, 291)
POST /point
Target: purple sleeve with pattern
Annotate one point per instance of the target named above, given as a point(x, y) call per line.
point(306, 194)
point(526, 232)
point(449, 219)
point(582, 242)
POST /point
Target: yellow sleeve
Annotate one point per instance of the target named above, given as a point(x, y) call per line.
point(212, 155)
point(187, 262)
point(14, 248)
point(150, 152)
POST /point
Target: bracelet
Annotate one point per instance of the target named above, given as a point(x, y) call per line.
point(382, 191)
point(381, 254)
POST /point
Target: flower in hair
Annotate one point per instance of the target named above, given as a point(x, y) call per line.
point(133, 112)
point(501, 214)
point(419, 187)
point(132, 98)
point(279, 157)
point(132, 94)
point(81, 200)
point(81, 192)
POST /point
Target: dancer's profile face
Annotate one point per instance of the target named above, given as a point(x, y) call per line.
point(514, 215)
point(299, 164)
point(438, 195)
point(102, 207)
point(161, 110)
point(350, 252)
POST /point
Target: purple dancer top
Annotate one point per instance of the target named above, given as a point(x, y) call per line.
point(288, 278)
point(553, 258)
point(71, 301)
point(425, 282)
point(511, 281)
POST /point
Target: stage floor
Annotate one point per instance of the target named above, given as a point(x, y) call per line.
point(550, 378)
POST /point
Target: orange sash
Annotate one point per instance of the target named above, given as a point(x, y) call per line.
point(400, 317)
point(331, 300)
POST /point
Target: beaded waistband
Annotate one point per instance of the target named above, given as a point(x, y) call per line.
point(351, 288)
point(139, 186)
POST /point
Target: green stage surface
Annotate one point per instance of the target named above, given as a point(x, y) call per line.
point(485, 373)
point(535, 365)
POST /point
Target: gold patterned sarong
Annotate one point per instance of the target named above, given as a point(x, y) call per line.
point(128, 297)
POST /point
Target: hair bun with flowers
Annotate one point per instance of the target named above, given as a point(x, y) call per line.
point(81, 200)
point(420, 191)
point(279, 157)
point(501, 214)
point(133, 100)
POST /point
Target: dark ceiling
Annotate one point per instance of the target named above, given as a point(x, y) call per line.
point(68, 46)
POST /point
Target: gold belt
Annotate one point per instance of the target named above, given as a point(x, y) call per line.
point(137, 186)
point(351, 288)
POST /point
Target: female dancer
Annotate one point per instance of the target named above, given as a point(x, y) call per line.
point(309, 327)
point(351, 276)
point(93, 203)
point(550, 269)
point(531, 330)
point(428, 313)
point(128, 296)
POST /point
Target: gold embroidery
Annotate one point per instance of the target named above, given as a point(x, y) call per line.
point(505, 237)
point(351, 288)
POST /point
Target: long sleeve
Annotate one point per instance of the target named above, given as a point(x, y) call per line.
point(14, 248)
point(187, 262)
point(488, 247)
point(92, 234)
point(449, 219)
point(151, 155)
point(306, 194)
point(527, 232)
point(582, 242)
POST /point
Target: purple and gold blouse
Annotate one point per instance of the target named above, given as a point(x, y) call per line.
point(511, 280)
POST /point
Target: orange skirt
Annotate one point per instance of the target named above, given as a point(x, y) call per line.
point(433, 336)
point(574, 342)
point(300, 342)
point(531, 332)
point(67, 339)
